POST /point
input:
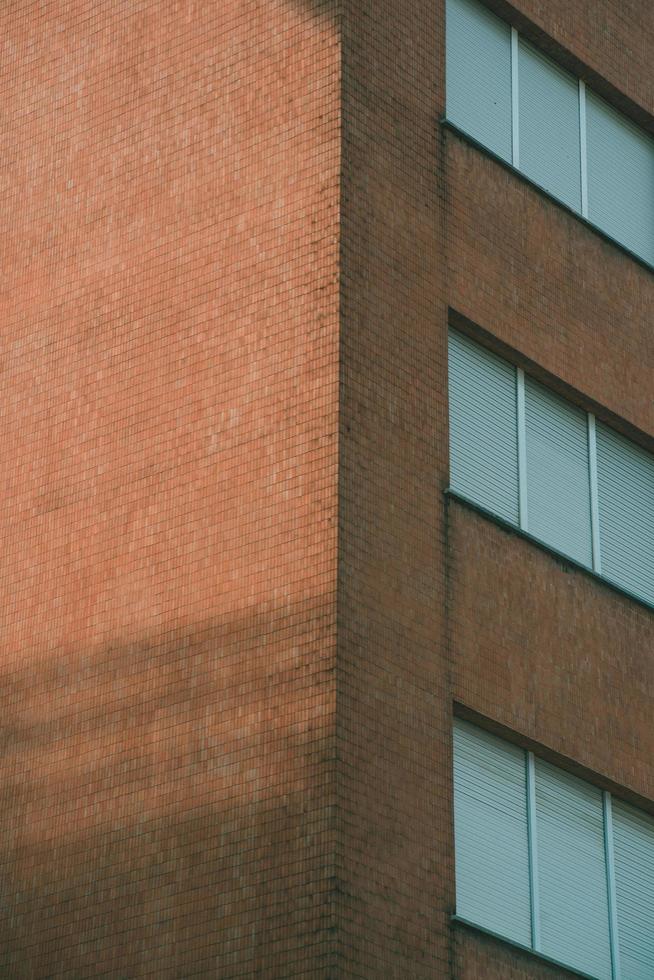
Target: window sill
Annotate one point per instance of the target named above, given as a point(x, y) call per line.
point(570, 971)
point(452, 127)
point(565, 559)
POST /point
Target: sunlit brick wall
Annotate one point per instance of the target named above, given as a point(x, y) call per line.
point(169, 238)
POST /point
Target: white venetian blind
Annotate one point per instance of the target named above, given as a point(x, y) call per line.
point(478, 74)
point(550, 151)
point(558, 484)
point(574, 917)
point(633, 838)
point(490, 824)
point(620, 178)
point(483, 427)
point(625, 484)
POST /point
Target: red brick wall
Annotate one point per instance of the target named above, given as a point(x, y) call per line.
point(550, 652)
point(477, 957)
point(393, 707)
point(169, 230)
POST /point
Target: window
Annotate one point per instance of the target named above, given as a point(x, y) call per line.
point(557, 484)
point(534, 115)
point(549, 861)
point(548, 112)
point(551, 469)
point(620, 178)
point(483, 427)
point(478, 75)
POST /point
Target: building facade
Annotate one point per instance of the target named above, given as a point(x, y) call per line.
point(327, 489)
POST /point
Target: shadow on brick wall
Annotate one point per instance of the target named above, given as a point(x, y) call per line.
point(324, 8)
point(162, 805)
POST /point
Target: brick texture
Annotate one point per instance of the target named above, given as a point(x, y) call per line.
point(170, 189)
point(551, 653)
point(477, 956)
point(394, 715)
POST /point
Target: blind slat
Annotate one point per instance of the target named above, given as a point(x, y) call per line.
point(490, 820)
point(478, 74)
point(558, 475)
point(619, 155)
point(625, 486)
point(483, 427)
point(620, 177)
point(573, 895)
point(570, 869)
point(550, 148)
point(633, 838)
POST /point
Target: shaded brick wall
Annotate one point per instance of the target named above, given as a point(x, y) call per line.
point(394, 716)
point(536, 645)
point(170, 190)
point(436, 603)
point(477, 956)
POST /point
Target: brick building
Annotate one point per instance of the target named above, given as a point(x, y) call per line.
point(258, 565)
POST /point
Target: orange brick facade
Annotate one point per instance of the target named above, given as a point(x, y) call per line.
point(170, 362)
point(238, 608)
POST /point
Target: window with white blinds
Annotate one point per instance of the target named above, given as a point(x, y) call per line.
point(548, 112)
point(483, 427)
point(478, 74)
point(557, 484)
point(625, 484)
point(549, 861)
point(541, 119)
point(620, 177)
point(533, 459)
point(491, 841)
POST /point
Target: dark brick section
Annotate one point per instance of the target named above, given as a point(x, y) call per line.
point(478, 956)
point(393, 708)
